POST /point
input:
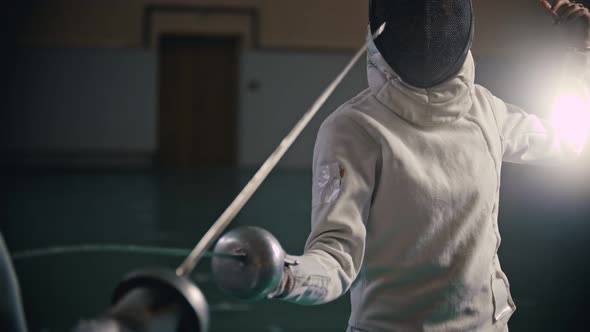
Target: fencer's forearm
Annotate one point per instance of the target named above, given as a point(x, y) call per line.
point(535, 141)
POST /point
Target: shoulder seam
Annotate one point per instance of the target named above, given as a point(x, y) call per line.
point(489, 98)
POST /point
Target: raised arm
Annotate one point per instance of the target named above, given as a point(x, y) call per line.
point(527, 138)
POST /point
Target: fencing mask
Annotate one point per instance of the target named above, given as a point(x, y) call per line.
point(425, 41)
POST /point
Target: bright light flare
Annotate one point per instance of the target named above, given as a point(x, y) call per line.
point(571, 118)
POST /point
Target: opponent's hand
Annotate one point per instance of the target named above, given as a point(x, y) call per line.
point(573, 18)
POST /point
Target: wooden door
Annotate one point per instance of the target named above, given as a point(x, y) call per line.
point(198, 101)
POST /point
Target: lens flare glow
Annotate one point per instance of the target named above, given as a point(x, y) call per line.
point(571, 118)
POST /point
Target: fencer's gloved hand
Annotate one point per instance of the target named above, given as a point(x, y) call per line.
point(573, 18)
point(285, 285)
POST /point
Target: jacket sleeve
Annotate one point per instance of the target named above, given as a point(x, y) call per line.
point(529, 139)
point(344, 163)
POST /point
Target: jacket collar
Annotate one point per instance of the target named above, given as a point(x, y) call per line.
point(434, 106)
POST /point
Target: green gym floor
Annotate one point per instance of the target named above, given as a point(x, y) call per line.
point(548, 269)
point(53, 209)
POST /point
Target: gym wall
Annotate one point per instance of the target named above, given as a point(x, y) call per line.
point(94, 65)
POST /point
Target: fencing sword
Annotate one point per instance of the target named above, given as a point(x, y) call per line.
point(234, 208)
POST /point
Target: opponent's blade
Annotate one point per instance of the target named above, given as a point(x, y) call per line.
point(229, 214)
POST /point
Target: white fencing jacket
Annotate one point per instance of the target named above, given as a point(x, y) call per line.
point(405, 203)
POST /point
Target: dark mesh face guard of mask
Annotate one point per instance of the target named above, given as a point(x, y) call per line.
point(425, 41)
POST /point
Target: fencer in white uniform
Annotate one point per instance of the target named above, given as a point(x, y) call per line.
point(406, 185)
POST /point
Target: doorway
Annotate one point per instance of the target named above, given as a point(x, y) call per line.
point(198, 101)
